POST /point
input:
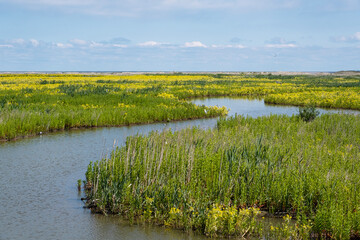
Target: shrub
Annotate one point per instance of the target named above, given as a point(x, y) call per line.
point(308, 113)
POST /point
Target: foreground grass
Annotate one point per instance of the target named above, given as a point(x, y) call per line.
point(34, 103)
point(217, 181)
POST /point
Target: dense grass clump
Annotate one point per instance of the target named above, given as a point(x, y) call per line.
point(308, 113)
point(217, 181)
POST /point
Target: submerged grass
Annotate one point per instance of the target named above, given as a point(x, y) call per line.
point(34, 103)
point(217, 181)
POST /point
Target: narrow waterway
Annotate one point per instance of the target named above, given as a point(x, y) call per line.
point(39, 198)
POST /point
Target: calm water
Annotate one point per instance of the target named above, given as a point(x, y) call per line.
point(39, 198)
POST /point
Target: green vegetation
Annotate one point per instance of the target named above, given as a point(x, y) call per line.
point(216, 181)
point(29, 106)
point(308, 113)
point(219, 181)
point(34, 103)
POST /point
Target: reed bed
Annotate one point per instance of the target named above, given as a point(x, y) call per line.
point(220, 181)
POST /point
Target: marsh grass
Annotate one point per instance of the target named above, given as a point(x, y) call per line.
point(216, 180)
point(33, 103)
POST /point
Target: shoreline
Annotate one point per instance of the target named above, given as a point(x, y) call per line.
point(125, 73)
point(100, 126)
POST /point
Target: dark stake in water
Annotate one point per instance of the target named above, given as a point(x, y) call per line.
point(39, 197)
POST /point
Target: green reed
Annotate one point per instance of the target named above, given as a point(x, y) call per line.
point(276, 163)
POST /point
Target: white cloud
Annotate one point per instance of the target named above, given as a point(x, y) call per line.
point(279, 42)
point(6, 46)
point(63, 45)
point(92, 44)
point(149, 44)
point(281, 45)
point(120, 45)
point(357, 36)
point(61, 56)
point(238, 46)
point(228, 46)
point(353, 38)
point(19, 41)
point(34, 42)
point(218, 46)
point(96, 44)
point(194, 44)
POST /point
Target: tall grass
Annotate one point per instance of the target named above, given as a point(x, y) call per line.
point(207, 179)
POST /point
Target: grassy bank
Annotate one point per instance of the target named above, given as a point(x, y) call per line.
point(217, 181)
point(30, 104)
point(34, 103)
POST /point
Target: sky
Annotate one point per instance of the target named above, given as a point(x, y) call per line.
point(179, 35)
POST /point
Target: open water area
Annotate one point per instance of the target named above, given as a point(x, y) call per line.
point(39, 196)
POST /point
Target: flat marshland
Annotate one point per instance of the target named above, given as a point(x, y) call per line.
point(34, 103)
point(218, 181)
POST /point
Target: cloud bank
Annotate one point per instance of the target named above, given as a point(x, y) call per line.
point(195, 44)
point(106, 44)
point(109, 55)
point(353, 38)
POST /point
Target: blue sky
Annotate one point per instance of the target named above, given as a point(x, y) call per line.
point(179, 35)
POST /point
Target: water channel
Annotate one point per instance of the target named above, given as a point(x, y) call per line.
point(39, 197)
